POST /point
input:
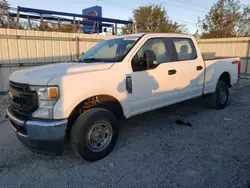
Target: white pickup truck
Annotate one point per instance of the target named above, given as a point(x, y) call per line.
point(116, 79)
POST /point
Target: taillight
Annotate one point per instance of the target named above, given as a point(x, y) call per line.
point(239, 66)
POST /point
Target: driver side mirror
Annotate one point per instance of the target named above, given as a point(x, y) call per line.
point(147, 62)
point(138, 64)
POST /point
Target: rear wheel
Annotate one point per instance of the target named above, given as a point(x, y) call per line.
point(94, 134)
point(219, 99)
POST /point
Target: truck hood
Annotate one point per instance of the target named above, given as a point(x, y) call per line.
point(41, 75)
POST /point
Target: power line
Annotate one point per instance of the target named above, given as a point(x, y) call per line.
point(207, 6)
point(184, 21)
point(113, 4)
point(191, 3)
point(186, 8)
point(166, 4)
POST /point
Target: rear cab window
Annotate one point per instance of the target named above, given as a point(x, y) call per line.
point(185, 49)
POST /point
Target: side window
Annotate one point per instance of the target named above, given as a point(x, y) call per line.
point(185, 49)
point(152, 53)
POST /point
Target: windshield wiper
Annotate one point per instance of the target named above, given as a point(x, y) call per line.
point(90, 60)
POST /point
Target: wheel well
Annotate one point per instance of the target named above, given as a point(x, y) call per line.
point(99, 101)
point(226, 78)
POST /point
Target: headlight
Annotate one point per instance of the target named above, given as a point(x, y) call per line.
point(47, 98)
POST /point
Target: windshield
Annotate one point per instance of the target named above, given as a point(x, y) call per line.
point(113, 50)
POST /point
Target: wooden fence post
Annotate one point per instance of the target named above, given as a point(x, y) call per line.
point(97, 27)
point(17, 19)
point(93, 28)
point(135, 25)
point(115, 28)
point(77, 47)
point(8, 24)
point(41, 22)
point(30, 26)
point(58, 23)
point(248, 58)
point(74, 23)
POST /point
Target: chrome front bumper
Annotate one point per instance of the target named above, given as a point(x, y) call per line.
point(41, 136)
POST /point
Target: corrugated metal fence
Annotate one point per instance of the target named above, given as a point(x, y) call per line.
point(24, 48)
point(226, 47)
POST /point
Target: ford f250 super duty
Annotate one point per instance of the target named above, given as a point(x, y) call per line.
point(116, 79)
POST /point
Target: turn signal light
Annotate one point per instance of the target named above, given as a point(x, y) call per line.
point(53, 92)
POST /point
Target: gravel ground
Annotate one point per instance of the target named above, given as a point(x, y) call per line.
point(3, 106)
point(152, 151)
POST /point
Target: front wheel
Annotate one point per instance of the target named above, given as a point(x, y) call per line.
point(94, 134)
point(219, 99)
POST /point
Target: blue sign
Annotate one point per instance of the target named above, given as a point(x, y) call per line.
point(92, 11)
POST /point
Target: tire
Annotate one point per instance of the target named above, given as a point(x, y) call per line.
point(219, 99)
point(91, 127)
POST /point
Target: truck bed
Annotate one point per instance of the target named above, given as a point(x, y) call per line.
point(218, 57)
point(207, 56)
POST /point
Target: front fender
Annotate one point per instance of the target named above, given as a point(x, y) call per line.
point(66, 105)
point(76, 88)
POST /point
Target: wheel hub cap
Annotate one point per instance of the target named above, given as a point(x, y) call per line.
point(223, 96)
point(100, 136)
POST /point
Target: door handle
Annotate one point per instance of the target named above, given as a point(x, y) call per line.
point(171, 72)
point(199, 68)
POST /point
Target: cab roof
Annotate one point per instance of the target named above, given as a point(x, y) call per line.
point(155, 34)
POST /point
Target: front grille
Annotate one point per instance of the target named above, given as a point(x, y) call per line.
point(19, 100)
point(23, 101)
point(19, 87)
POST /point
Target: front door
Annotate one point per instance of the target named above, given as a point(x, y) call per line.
point(153, 85)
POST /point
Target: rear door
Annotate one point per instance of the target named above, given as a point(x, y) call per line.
point(190, 69)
